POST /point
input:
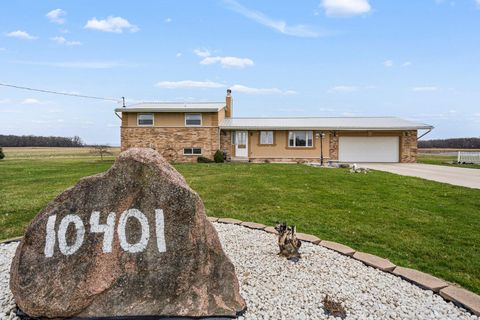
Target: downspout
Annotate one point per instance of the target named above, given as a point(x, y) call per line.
point(429, 130)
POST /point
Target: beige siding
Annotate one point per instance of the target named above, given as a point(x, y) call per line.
point(221, 115)
point(171, 119)
point(280, 148)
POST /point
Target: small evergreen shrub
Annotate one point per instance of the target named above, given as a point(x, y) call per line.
point(218, 157)
point(2, 155)
point(204, 160)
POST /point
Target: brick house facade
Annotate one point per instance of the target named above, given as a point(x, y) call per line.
point(182, 132)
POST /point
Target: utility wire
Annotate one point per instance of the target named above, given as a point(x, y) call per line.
point(59, 93)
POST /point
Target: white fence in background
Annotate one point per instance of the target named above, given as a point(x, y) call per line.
point(468, 157)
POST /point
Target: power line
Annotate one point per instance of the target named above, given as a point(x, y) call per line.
point(59, 93)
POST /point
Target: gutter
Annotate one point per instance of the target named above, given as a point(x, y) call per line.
point(428, 131)
point(429, 128)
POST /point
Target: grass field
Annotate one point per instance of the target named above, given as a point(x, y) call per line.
point(416, 223)
point(444, 161)
point(49, 153)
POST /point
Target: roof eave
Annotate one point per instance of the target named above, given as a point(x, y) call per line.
point(327, 128)
point(168, 110)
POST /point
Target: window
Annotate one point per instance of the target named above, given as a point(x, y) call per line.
point(193, 119)
point(300, 139)
point(239, 138)
point(145, 119)
point(266, 137)
point(192, 151)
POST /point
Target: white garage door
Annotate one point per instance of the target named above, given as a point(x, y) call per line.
point(369, 149)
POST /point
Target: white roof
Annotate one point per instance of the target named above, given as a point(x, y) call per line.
point(324, 123)
point(173, 107)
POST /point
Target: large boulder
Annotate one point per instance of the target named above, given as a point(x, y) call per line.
point(133, 241)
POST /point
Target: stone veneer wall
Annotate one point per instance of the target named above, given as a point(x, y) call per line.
point(333, 147)
point(226, 143)
point(170, 142)
point(408, 147)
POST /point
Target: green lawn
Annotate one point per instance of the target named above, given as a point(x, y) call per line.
point(416, 223)
point(26, 186)
point(444, 161)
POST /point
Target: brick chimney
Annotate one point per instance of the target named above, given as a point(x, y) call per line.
point(228, 104)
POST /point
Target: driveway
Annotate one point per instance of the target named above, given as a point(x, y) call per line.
point(464, 177)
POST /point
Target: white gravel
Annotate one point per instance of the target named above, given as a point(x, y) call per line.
point(7, 305)
point(275, 288)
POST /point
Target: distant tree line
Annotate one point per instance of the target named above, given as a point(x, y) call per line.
point(39, 141)
point(456, 143)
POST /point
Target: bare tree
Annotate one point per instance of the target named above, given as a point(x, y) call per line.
point(100, 150)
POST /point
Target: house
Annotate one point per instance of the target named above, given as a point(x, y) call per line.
point(184, 131)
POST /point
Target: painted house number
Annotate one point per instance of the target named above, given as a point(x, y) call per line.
point(108, 230)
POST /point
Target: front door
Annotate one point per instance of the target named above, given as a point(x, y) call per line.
point(241, 144)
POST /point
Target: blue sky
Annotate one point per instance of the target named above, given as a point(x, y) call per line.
point(414, 59)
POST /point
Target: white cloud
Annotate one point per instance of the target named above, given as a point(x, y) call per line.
point(250, 90)
point(477, 2)
point(6, 101)
point(26, 101)
point(178, 55)
point(278, 25)
point(56, 16)
point(388, 63)
point(189, 84)
point(202, 53)
point(345, 8)
point(111, 24)
point(408, 63)
point(77, 64)
point(168, 20)
point(425, 89)
point(62, 40)
point(21, 35)
point(343, 88)
point(226, 62)
point(30, 101)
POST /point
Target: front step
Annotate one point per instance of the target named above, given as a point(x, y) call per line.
point(239, 159)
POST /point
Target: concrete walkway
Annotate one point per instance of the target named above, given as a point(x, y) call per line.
point(464, 177)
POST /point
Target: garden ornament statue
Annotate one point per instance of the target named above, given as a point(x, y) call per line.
point(288, 242)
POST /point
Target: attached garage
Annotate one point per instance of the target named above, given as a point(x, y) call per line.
point(369, 149)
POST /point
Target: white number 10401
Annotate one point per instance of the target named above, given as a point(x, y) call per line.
point(108, 230)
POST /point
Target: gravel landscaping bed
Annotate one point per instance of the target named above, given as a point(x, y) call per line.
point(275, 288)
point(7, 305)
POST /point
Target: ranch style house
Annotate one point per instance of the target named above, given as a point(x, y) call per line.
point(182, 132)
